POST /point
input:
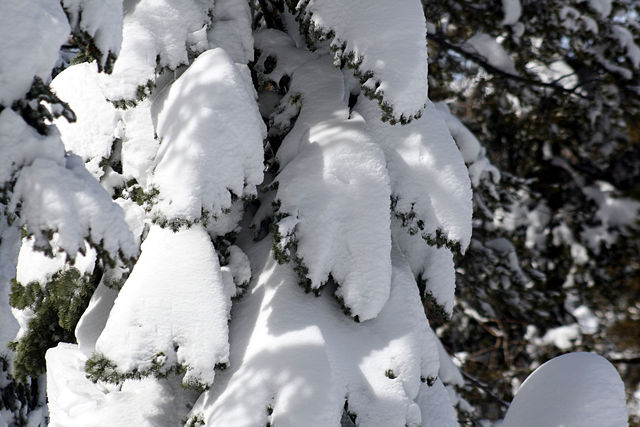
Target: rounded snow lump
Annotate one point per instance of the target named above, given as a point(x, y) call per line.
point(572, 390)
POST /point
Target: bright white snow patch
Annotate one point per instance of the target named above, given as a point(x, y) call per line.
point(73, 400)
point(572, 390)
point(20, 145)
point(91, 136)
point(68, 200)
point(100, 19)
point(232, 30)
point(427, 172)
point(388, 37)
point(343, 229)
point(154, 33)
point(173, 309)
point(302, 357)
point(208, 114)
point(487, 47)
point(512, 10)
point(31, 33)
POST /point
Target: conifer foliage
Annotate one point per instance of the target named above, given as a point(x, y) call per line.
point(227, 213)
point(217, 213)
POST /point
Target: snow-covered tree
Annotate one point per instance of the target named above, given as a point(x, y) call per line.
point(550, 88)
point(228, 213)
point(187, 282)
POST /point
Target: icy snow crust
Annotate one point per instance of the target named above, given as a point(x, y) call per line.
point(208, 114)
point(39, 27)
point(155, 33)
point(394, 71)
point(572, 390)
point(302, 357)
point(159, 317)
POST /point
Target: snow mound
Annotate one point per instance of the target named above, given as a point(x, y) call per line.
point(74, 400)
point(485, 46)
point(172, 312)
point(231, 30)
point(139, 146)
point(384, 41)
point(296, 359)
point(208, 114)
point(101, 20)
point(572, 390)
point(66, 199)
point(38, 27)
point(429, 181)
point(20, 145)
point(91, 136)
point(343, 230)
point(155, 33)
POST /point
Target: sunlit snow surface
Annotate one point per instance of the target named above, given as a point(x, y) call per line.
point(300, 356)
point(572, 390)
point(399, 65)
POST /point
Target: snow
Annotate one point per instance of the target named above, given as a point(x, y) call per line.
point(427, 172)
point(231, 30)
point(34, 266)
point(626, 40)
point(208, 114)
point(76, 401)
point(343, 230)
point(68, 200)
point(575, 389)
point(562, 337)
point(612, 211)
point(183, 317)
point(435, 402)
point(94, 318)
point(38, 27)
point(20, 145)
point(399, 65)
point(512, 10)
point(91, 136)
point(487, 47)
point(101, 20)
point(602, 7)
point(432, 265)
point(473, 153)
point(154, 33)
point(9, 250)
point(300, 356)
point(139, 147)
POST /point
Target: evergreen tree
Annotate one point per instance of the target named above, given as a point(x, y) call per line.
point(550, 88)
point(231, 213)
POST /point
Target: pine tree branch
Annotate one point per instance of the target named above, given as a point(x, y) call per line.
point(441, 40)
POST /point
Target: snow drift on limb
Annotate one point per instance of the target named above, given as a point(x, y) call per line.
point(208, 114)
point(170, 315)
point(393, 72)
point(296, 359)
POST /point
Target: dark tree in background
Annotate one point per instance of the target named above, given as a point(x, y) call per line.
point(561, 123)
